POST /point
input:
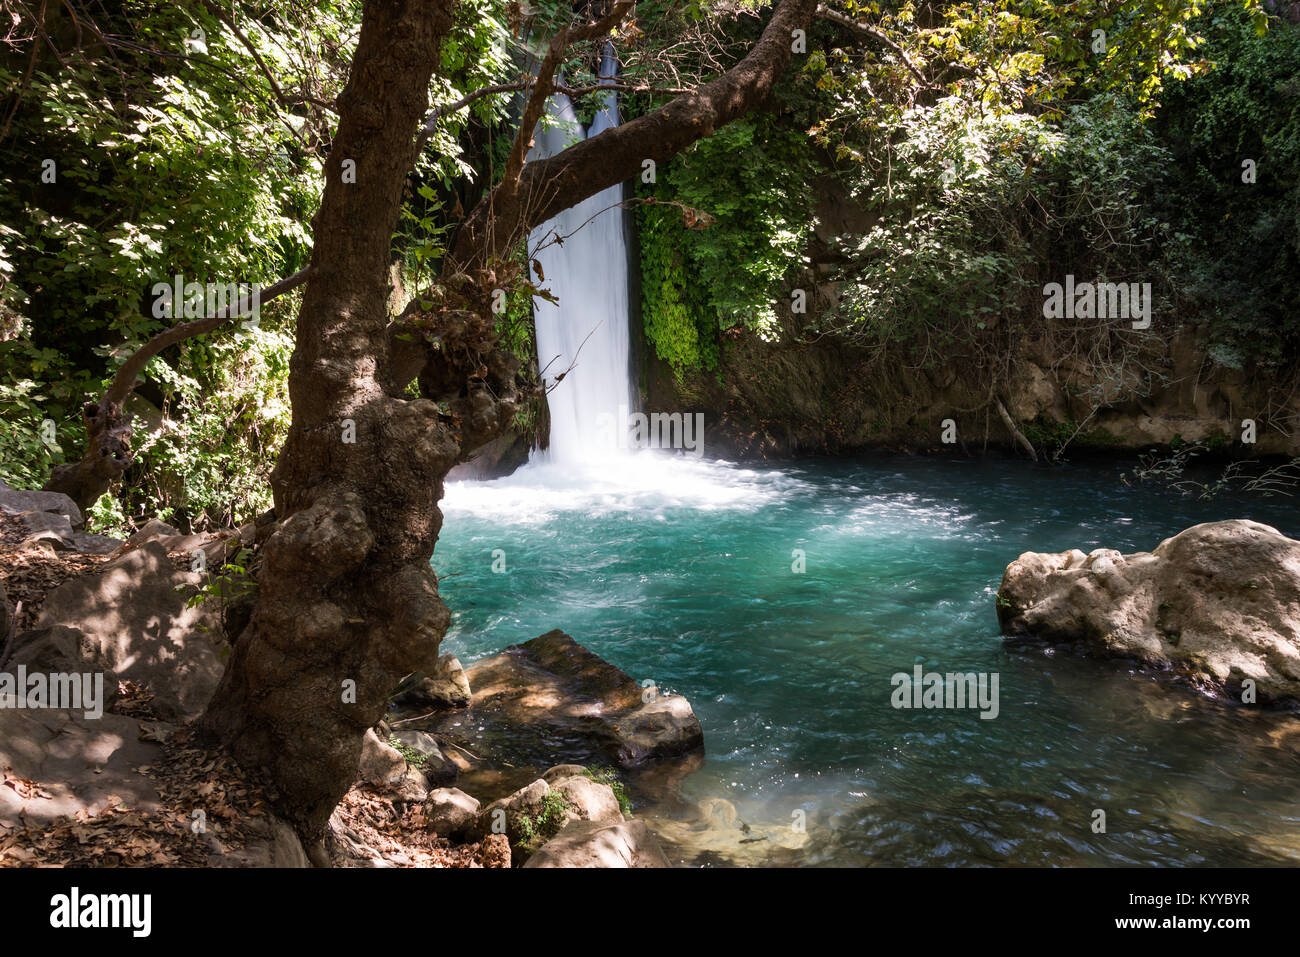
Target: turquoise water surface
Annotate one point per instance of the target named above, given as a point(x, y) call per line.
point(680, 571)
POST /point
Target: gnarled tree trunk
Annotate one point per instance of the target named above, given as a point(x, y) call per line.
point(347, 602)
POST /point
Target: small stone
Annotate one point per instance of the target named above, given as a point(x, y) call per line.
point(450, 811)
point(382, 765)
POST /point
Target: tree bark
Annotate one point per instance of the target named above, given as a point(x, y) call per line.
point(347, 603)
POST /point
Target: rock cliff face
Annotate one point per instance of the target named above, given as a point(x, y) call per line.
point(1219, 602)
point(781, 400)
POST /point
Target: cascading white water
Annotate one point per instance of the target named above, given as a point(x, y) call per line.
point(585, 335)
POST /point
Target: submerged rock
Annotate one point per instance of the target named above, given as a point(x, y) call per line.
point(1219, 601)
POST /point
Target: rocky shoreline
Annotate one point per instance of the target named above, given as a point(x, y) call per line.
point(83, 783)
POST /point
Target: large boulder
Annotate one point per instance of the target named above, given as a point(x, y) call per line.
point(52, 527)
point(596, 844)
point(66, 651)
point(134, 621)
point(1219, 602)
point(450, 811)
point(663, 726)
point(14, 501)
point(552, 697)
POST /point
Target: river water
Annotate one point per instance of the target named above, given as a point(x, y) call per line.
point(682, 571)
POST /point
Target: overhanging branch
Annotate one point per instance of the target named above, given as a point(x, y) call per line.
point(867, 30)
point(124, 378)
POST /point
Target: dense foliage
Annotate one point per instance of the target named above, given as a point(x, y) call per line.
point(1049, 139)
point(1238, 243)
point(168, 156)
point(968, 152)
point(188, 140)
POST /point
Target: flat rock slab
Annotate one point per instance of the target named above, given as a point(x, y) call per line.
point(136, 621)
point(550, 700)
point(15, 501)
point(76, 761)
point(55, 529)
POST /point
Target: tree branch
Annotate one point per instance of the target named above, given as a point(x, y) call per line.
point(867, 30)
point(1015, 432)
point(549, 186)
point(124, 379)
point(431, 122)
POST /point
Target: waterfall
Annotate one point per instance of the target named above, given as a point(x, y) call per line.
point(587, 329)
